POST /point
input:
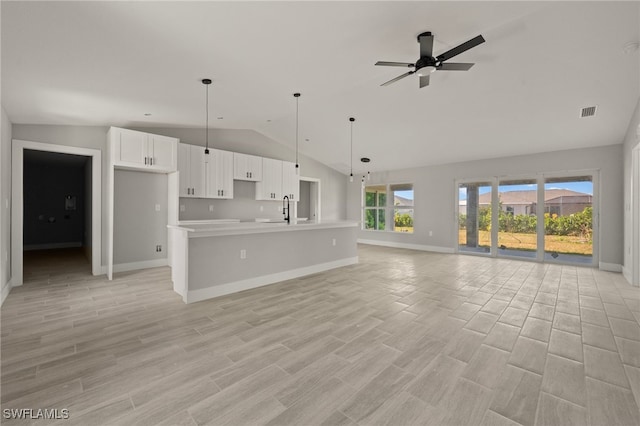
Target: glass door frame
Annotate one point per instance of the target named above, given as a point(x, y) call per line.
point(540, 179)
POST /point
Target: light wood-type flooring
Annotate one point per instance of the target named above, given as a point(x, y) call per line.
point(402, 338)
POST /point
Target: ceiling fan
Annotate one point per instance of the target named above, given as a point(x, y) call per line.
point(427, 64)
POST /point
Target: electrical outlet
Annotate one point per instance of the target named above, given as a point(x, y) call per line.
point(431, 233)
point(182, 207)
point(210, 207)
point(243, 254)
point(261, 208)
point(279, 208)
point(333, 242)
point(157, 207)
point(158, 248)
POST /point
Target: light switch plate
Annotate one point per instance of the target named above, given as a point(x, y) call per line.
point(210, 207)
point(157, 207)
point(182, 208)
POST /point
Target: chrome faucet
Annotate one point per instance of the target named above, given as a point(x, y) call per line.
point(287, 216)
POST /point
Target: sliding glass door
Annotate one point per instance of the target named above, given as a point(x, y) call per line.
point(548, 218)
point(474, 217)
point(517, 202)
point(568, 219)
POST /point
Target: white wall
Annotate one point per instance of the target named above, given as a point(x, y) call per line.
point(5, 205)
point(435, 195)
point(630, 142)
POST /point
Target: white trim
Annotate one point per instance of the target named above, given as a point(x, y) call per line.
point(610, 267)
point(420, 247)
point(134, 266)
point(626, 273)
point(234, 287)
point(17, 204)
point(74, 244)
point(5, 292)
point(634, 258)
point(318, 196)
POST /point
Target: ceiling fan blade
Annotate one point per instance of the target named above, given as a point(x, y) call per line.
point(397, 78)
point(426, 45)
point(455, 66)
point(461, 48)
point(424, 81)
point(395, 64)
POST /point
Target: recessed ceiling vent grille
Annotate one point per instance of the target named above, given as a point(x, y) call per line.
point(588, 111)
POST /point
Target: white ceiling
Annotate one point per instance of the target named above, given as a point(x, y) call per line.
point(109, 63)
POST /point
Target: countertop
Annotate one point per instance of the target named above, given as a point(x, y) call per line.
point(210, 228)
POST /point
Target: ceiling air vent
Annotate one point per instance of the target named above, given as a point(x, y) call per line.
point(588, 111)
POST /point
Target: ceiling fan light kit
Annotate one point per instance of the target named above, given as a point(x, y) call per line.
point(427, 64)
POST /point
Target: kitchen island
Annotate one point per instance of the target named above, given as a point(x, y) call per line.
point(213, 259)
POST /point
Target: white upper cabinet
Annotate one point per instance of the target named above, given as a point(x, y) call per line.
point(136, 150)
point(219, 174)
point(270, 188)
point(205, 175)
point(290, 181)
point(192, 171)
point(247, 167)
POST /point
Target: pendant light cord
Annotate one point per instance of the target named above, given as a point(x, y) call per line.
point(351, 119)
point(297, 96)
point(207, 121)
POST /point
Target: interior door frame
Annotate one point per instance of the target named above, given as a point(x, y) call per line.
point(17, 202)
point(635, 214)
point(318, 199)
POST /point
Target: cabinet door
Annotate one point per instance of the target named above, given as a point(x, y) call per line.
point(162, 152)
point(197, 166)
point(184, 157)
point(240, 166)
point(270, 187)
point(133, 148)
point(290, 181)
point(255, 168)
point(247, 167)
point(224, 173)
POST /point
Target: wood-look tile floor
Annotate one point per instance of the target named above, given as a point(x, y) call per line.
point(402, 338)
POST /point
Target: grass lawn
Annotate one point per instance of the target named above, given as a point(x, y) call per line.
point(552, 243)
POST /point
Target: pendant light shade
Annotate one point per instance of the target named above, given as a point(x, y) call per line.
point(207, 82)
point(351, 119)
point(297, 96)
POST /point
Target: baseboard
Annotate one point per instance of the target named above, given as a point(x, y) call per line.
point(236, 286)
point(134, 266)
point(5, 292)
point(75, 244)
point(610, 267)
point(394, 244)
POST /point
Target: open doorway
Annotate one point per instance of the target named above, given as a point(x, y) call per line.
point(23, 236)
point(308, 205)
point(57, 214)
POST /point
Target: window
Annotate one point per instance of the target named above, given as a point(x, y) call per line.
point(402, 196)
point(396, 209)
point(375, 202)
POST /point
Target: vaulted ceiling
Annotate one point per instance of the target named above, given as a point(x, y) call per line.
point(110, 63)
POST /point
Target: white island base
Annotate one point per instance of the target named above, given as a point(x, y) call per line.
point(211, 260)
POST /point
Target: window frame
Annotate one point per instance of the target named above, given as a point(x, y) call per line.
point(389, 208)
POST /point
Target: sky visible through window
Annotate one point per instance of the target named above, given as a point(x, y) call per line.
point(584, 187)
point(404, 194)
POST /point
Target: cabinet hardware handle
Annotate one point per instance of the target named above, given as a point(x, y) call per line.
point(145, 161)
point(151, 161)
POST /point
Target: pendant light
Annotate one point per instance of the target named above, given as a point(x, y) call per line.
point(297, 96)
point(207, 82)
point(351, 119)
